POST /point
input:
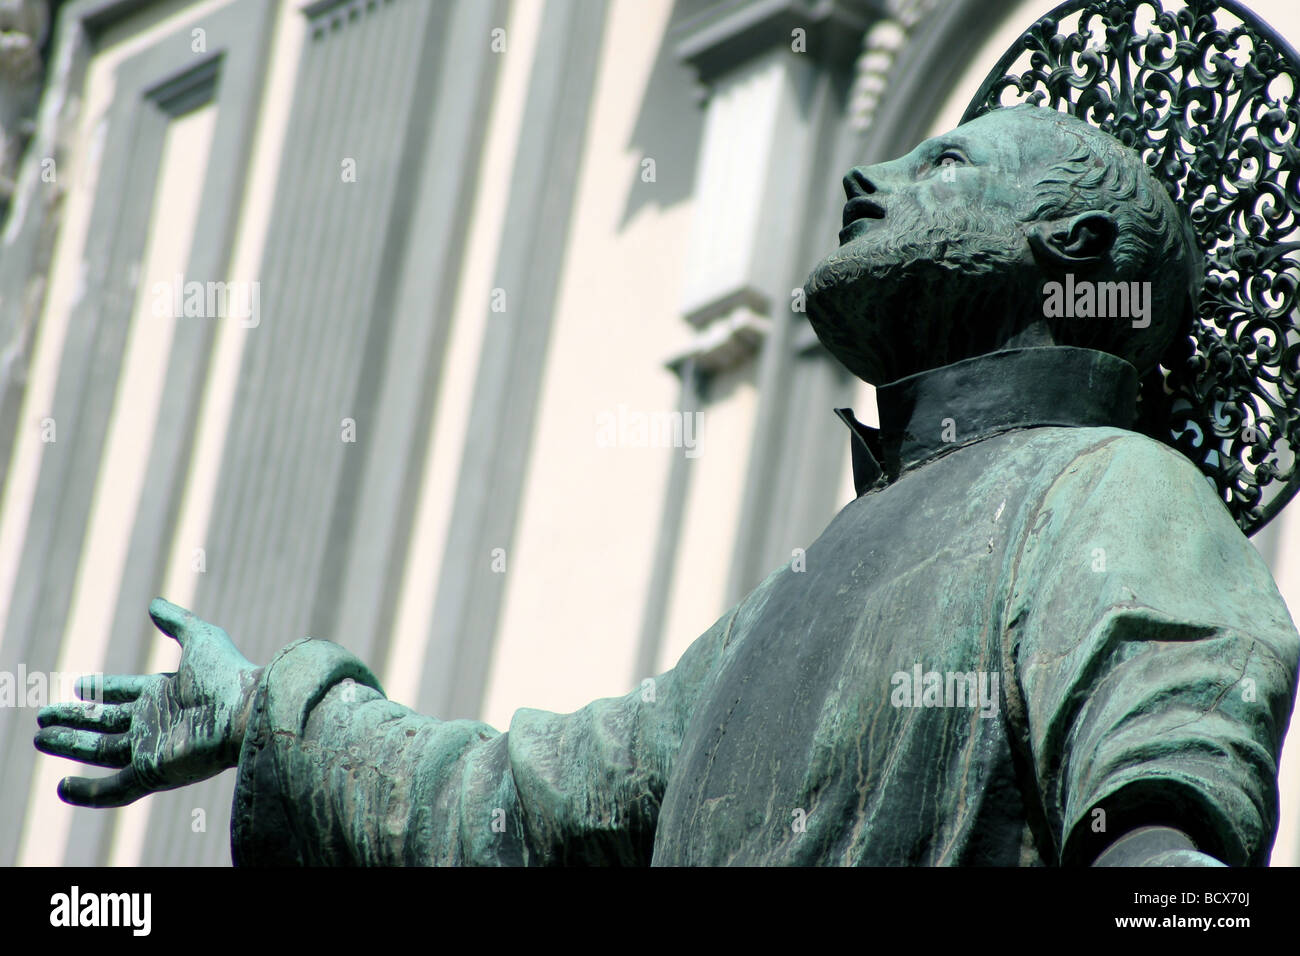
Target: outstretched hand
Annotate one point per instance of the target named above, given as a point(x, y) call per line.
point(162, 730)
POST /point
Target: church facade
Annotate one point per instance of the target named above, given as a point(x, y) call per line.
point(468, 334)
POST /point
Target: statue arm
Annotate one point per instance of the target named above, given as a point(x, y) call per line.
point(1155, 846)
point(331, 772)
point(1154, 666)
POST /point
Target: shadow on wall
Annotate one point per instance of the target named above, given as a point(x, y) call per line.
point(668, 125)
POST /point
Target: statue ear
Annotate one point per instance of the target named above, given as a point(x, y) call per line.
point(1080, 242)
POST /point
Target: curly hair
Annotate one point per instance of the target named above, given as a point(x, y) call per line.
point(1154, 240)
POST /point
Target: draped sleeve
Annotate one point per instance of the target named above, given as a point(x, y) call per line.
point(1154, 660)
point(333, 773)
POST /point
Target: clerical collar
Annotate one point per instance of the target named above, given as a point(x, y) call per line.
point(924, 415)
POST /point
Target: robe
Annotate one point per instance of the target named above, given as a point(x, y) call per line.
point(1033, 631)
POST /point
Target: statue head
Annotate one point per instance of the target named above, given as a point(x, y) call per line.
point(958, 248)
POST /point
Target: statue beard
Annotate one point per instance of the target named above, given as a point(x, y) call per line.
point(922, 289)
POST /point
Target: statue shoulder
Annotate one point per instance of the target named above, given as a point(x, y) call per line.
point(1091, 455)
point(1126, 483)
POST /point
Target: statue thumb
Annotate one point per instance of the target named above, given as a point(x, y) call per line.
point(172, 619)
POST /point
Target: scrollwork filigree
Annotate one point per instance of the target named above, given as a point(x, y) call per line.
point(1207, 93)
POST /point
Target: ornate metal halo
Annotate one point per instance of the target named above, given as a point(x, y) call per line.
point(1209, 95)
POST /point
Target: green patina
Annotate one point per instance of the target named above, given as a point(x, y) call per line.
point(1012, 527)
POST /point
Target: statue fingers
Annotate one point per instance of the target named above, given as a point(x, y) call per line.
point(172, 619)
point(87, 746)
point(116, 790)
point(114, 688)
point(105, 718)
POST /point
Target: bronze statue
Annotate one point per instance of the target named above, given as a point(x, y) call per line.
point(1036, 637)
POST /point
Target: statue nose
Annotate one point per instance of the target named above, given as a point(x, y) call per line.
point(856, 184)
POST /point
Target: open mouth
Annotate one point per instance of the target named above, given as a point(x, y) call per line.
point(861, 208)
point(857, 212)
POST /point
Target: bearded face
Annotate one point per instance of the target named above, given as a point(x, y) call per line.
point(894, 298)
point(944, 256)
